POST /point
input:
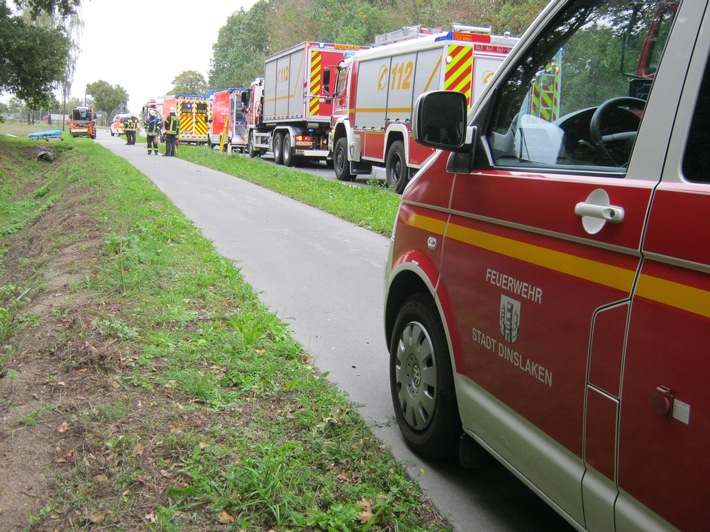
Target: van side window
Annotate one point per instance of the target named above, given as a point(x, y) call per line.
point(696, 160)
point(576, 99)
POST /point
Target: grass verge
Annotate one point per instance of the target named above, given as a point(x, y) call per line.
point(169, 398)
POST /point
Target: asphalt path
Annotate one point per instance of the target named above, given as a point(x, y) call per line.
point(325, 278)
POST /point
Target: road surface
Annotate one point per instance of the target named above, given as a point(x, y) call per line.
point(325, 278)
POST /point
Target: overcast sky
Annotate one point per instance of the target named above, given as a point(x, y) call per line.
point(126, 43)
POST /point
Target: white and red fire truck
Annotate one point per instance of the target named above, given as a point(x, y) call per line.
point(194, 112)
point(376, 90)
point(228, 125)
point(548, 280)
point(289, 109)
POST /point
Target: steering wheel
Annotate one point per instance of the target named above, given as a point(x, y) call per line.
point(604, 143)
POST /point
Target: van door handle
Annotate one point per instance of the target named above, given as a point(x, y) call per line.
point(609, 213)
point(596, 211)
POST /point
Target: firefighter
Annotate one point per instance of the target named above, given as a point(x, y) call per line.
point(172, 129)
point(152, 131)
point(131, 127)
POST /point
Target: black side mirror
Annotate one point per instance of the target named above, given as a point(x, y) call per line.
point(439, 121)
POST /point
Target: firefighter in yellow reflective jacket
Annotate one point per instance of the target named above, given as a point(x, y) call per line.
point(172, 129)
point(130, 126)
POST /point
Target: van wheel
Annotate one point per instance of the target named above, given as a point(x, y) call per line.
point(340, 160)
point(278, 147)
point(396, 167)
point(287, 154)
point(421, 381)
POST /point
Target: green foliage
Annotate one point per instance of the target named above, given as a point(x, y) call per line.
point(242, 45)
point(274, 25)
point(32, 58)
point(189, 82)
point(107, 98)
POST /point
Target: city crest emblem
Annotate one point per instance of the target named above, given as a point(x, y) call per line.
point(509, 318)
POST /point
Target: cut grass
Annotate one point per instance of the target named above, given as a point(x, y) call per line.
point(206, 413)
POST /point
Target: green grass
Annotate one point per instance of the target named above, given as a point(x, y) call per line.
point(207, 414)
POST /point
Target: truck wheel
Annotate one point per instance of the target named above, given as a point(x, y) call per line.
point(421, 381)
point(278, 148)
point(396, 167)
point(250, 146)
point(340, 160)
point(287, 154)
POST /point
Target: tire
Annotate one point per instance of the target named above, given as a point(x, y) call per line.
point(209, 141)
point(341, 166)
point(396, 167)
point(421, 381)
point(278, 148)
point(287, 153)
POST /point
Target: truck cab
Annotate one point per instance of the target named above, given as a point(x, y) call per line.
point(548, 281)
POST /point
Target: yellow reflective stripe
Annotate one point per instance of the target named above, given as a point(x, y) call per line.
point(677, 295)
point(587, 269)
point(681, 296)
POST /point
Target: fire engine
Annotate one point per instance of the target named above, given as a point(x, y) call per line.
point(548, 279)
point(83, 122)
point(194, 112)
point(154, 103)
point(228, 126)
point(289, 109)
point(376, 90)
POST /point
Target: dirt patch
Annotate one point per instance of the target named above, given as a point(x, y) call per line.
point(52, 366)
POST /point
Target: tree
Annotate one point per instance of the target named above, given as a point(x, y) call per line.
point(32, 57)
point(242, 44)
point(107, 98)
point(189, 82)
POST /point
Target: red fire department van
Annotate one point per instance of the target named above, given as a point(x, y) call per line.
point(376, 90)
point(548, 281)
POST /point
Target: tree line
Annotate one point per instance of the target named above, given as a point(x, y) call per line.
point(39, 47)
point(269, 26)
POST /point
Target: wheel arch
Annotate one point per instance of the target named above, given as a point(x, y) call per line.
point(410, 279)
point(394, 133)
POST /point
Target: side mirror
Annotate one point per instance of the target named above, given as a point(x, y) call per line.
point(439, 121)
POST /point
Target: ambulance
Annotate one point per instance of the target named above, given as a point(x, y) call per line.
point(548, 281)
point(228, 124)
point(195, 113)
point(377, 87)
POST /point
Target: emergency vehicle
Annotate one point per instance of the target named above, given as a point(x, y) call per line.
point(377, 88)
point(228, 126)
point(548, 280)
point(155, 104)
point(116, 128)
point(82, 122)
point(195, 113)
point(289, 109)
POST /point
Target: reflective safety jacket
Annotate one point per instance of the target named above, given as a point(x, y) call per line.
point(152, 126)
point(172, 124)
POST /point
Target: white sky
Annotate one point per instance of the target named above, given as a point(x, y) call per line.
point(124, 43)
